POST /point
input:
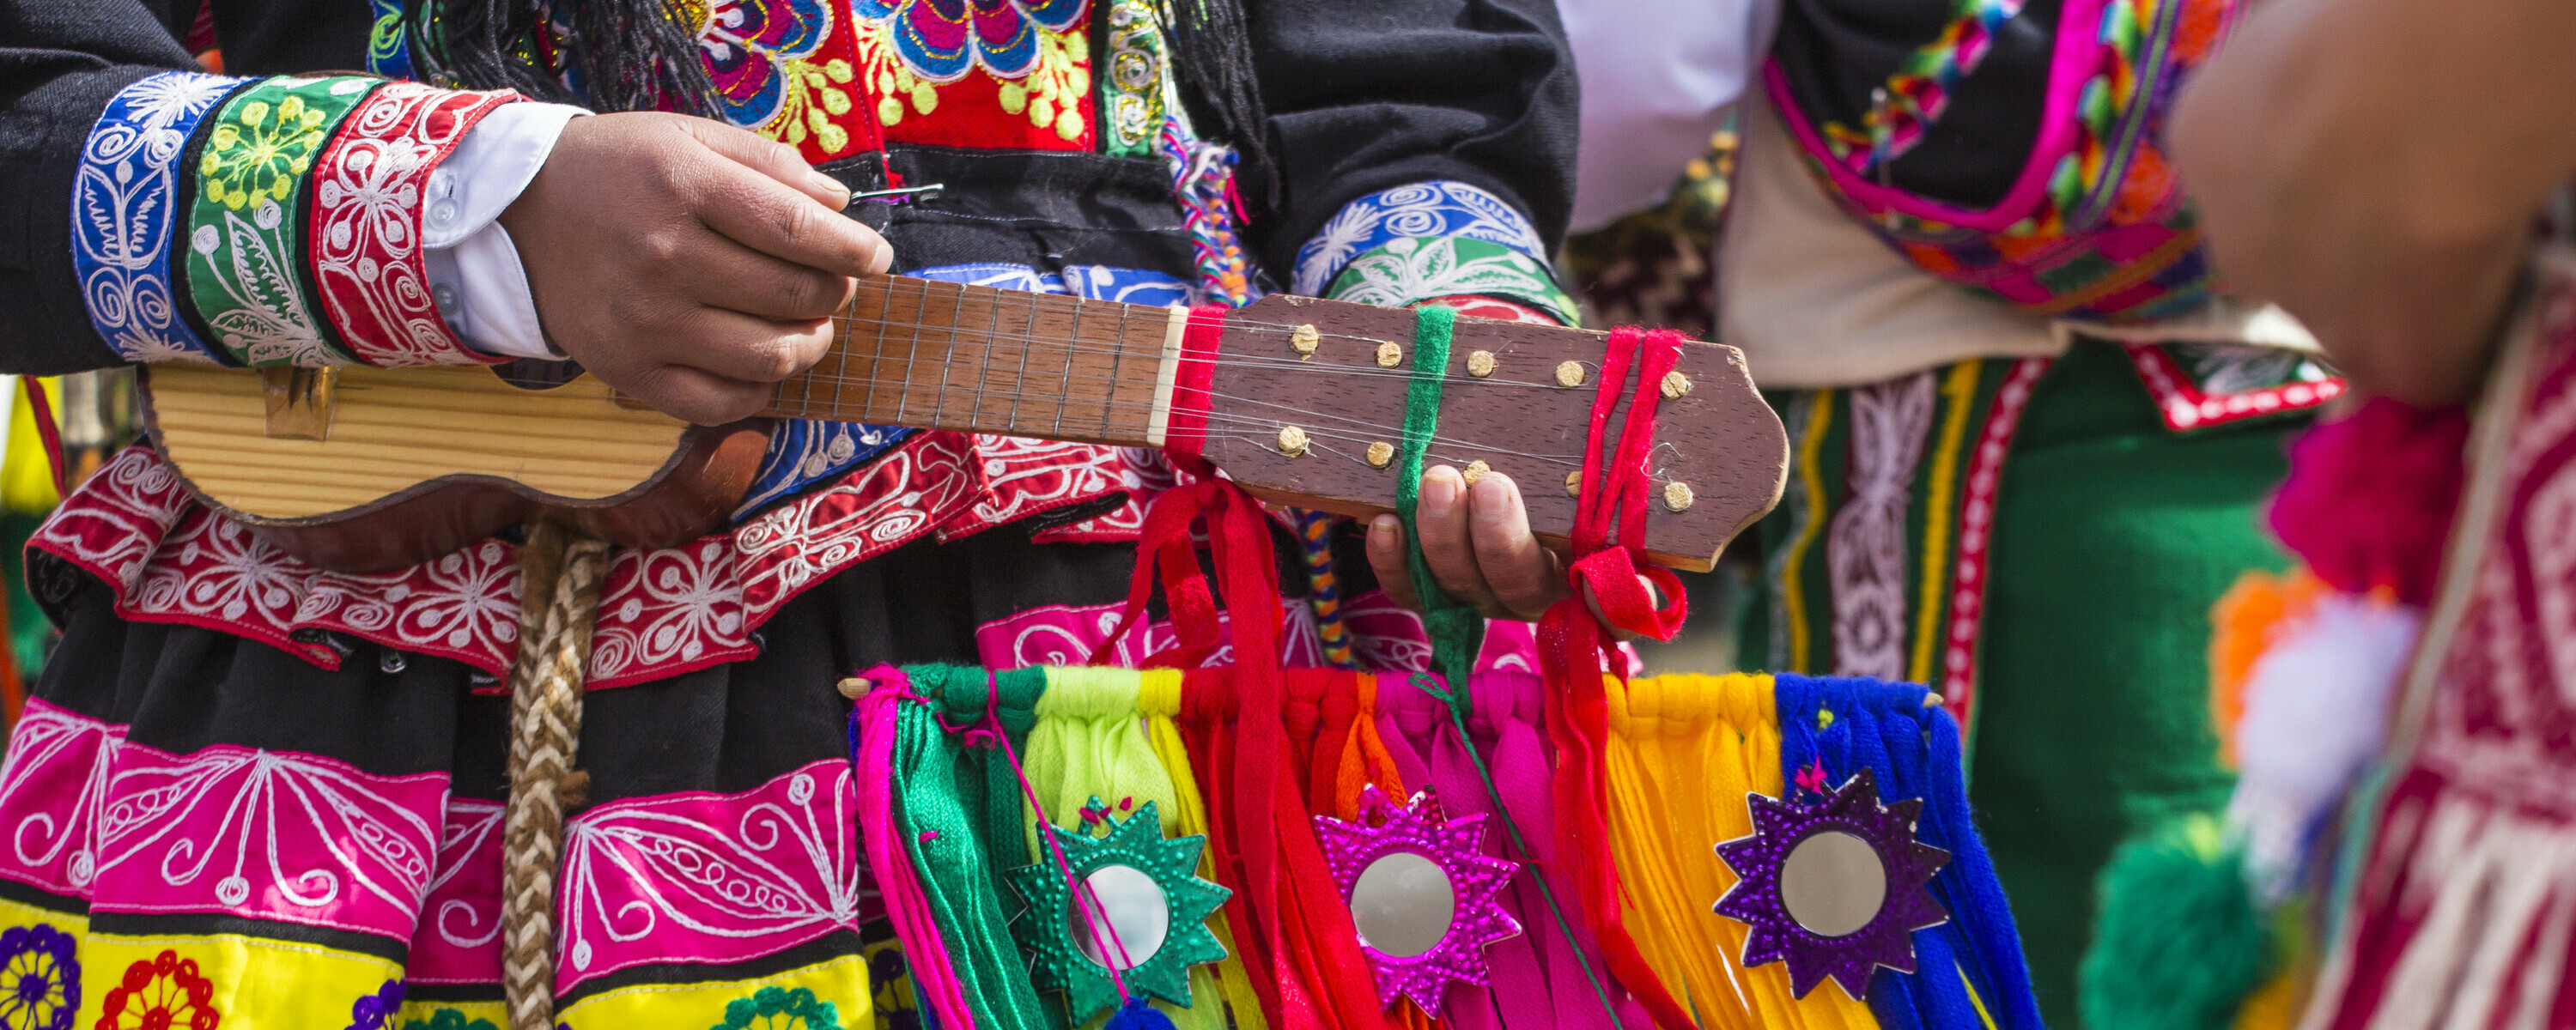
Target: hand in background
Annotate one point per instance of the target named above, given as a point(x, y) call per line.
point(686, 262)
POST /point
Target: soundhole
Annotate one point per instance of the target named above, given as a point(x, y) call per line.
point(537, 373)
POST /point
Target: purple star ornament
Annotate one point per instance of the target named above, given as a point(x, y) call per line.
point(1836, 888)
point(1396, 868)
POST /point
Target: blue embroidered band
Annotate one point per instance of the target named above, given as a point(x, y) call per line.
point(1440, 208)
point(125, 207)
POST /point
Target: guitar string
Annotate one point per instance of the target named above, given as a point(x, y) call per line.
point(1357, 429)
point(1109, 405)
point(1075, 345)
point(1349, 429)
point(958, 295)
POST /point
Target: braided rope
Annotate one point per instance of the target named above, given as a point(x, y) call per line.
point(560, 575)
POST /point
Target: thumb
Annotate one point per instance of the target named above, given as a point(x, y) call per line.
point(771, 158)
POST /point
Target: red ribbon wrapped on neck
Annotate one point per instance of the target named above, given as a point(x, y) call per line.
point(1609, 547)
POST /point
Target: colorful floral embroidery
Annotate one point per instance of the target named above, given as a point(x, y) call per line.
point(949, 61)
point(164, 993)
point(246, 245)
point(367, 189)
point(39, 978)
point(1409, 270)
point(1423, 209)
point(784, 69)
point(121, 213)
point(375, 1011)
point(448, 1019)
point(941, 40)
point(777, 1008)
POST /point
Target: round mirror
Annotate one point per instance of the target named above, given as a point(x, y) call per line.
point(1833, 883)
point(1403, 903)
point(1138, 914)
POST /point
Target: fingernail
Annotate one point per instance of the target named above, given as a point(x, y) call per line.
point(831, 187)
point(1383, 528)
point(1440, 487)
point(1493, 494)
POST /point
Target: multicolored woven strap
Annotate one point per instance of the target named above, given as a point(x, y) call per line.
point(2095, 226)
point(125, 200)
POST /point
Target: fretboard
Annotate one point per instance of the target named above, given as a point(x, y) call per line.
point(939, 355)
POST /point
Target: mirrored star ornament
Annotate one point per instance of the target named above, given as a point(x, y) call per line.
point(1835, 888)
point(1425, 896)
point(1143, 908)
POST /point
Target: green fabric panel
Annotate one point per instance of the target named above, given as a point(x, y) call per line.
point(2113, 537)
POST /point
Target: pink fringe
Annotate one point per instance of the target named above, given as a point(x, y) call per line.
point(897, 882)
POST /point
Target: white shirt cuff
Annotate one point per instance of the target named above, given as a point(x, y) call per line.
point(474, 271)
point(482, 291)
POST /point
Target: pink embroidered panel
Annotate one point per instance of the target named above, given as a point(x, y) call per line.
point(710, 878)
point(52, 787)
point(458, 940)
point(266, 835)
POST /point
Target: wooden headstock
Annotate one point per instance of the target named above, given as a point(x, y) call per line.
point(1719, 440)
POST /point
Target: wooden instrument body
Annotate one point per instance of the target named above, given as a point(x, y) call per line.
point(368, 470)
point(419, 462)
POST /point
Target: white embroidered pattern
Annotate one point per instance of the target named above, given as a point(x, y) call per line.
point(1428, 209)
point(1865, 546)
point(123, 217)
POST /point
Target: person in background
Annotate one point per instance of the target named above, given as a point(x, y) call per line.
point(2394, 172)
point(2029, 438)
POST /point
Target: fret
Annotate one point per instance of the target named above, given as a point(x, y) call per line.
point(998, 391)
point(1117, 368)
point(1070, 351)
point(1019, 379)
point(947, 359)
point(850, 334)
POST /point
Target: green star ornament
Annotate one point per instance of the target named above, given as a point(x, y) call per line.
point(1135, 844)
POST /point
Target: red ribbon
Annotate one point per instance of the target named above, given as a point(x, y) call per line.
point(1574, 648)
point(1185, 435)
point(1291, 924)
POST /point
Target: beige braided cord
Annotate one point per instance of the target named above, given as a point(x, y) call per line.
point(560, 575)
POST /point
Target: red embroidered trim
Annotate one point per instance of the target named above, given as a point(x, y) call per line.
point(2185, 407)
point(1976, 527)
point(368, 188)
point(662, 612)
point(1025, 477)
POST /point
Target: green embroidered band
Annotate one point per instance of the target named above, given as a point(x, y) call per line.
point(1408, 270)
point(247, 273)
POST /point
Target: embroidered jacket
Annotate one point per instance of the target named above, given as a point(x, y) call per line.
point(275, 215)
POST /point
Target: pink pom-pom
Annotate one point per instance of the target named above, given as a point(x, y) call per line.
point(2369, 500)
